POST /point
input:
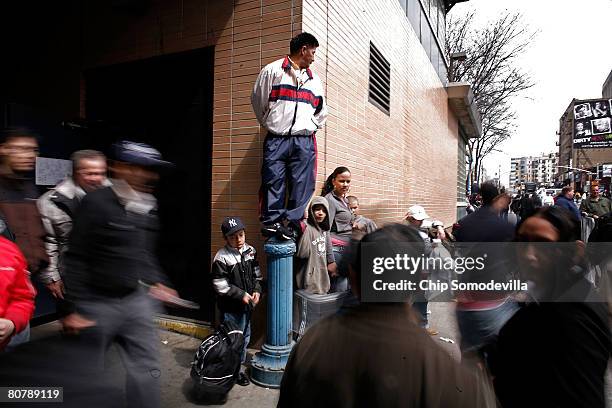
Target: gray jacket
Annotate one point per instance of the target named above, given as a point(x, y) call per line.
point(57, 207)
point(314, 253)
point(340, 218)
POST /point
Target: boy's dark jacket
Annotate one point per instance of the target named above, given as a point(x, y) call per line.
point(314, 252)
point(234, 273)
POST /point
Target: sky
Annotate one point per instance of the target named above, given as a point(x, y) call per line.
point(570, 57)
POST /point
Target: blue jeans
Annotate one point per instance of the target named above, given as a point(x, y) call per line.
point(19, 338)
point(480, 328)
point(241, 320)
point(339, 283)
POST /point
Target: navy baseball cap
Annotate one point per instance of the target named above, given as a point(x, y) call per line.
point(138, 153)
point(231, 225)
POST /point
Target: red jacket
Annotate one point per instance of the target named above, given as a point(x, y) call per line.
point(16, 291)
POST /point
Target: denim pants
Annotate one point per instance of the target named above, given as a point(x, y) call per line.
point(339, 283)
point(20, 338)
point(241, 320)
point(480, 328)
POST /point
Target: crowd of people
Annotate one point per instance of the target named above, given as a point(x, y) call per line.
point(91, 241)
point(545, 346)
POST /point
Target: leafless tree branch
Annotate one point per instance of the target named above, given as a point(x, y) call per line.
point(492, 69)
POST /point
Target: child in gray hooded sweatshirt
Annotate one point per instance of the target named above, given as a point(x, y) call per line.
point(314, 259)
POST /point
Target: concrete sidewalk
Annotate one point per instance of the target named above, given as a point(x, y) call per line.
point(177, 355)
point(177, 352)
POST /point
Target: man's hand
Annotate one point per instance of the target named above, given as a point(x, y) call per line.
point(7, 327)
point(56, 289)
point(256, 297)
point(359, 226)
point(246, 299)
point(441, 232)
point(332, 268)
point(162, 292)
point(74, 322)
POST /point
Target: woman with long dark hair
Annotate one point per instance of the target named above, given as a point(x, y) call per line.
point(554, 351)
point(341, 218)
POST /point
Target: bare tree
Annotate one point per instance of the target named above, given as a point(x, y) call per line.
point(492, 69)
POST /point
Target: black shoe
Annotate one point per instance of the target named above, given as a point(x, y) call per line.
point(279, 231)
point(270, 231)
point(286, 233)
point(243, 380)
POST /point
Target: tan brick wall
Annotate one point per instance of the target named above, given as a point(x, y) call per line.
point(406, 158)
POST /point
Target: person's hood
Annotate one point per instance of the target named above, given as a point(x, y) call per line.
point(311, 218)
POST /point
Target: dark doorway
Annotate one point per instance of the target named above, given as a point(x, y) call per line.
point(167, 102)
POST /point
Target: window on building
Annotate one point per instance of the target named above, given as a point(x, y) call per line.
point(435, 55)
point(414, 15)
point(380, 80)
point(428, 19)
point(433, 15)
point(426, 35)
point(441, 25)
point(462, 168)
point(403, 4)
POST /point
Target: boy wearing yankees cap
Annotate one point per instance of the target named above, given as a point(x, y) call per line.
point(236, 280)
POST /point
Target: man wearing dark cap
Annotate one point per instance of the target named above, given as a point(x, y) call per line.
point(109, 263)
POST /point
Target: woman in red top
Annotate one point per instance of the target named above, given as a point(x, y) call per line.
point(16, 292)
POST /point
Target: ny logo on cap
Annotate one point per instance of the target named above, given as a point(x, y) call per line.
point(232, 222)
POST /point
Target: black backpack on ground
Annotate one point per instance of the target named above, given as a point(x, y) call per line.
point(216, 364)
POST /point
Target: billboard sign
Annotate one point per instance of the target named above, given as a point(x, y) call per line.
point(593, 124)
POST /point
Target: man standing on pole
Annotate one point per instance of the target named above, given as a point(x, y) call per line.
point(288, 101)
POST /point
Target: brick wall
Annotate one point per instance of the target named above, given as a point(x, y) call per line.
point(406, 158)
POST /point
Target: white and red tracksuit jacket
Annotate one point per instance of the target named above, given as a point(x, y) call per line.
point(287, 101)
point(16, 291)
